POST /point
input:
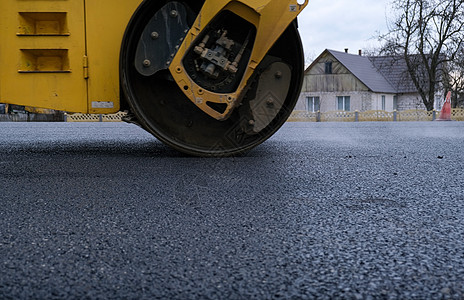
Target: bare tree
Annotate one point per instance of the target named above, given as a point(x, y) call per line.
point(428, 34)
point(455, 79)
point(310, 56)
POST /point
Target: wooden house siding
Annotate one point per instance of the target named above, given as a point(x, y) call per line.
point(333, 83)
point(319, 67)
point(341, 80)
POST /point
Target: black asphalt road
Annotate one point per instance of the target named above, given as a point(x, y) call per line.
point(321, 210)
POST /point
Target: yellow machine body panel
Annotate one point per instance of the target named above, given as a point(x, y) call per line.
point(41, 52)
point(106, 22)
point(62, 55)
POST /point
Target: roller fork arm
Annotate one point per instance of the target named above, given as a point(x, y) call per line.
point(270, 18)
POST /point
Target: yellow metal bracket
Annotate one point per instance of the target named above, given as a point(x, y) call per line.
point(270, 17)
point(86, 67)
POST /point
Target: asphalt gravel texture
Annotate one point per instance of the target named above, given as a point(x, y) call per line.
point(319, 211)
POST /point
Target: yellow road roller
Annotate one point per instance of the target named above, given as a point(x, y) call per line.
point(207, 77)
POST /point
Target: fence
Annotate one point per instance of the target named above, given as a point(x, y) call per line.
point(296, 116)
point(94, 117)
point(372, 116)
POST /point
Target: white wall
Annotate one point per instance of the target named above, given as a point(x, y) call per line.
point(363, 101)
point(377, 102)
point(410, 101)
point(360, 101)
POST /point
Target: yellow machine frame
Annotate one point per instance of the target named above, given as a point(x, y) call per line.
point(64, 55)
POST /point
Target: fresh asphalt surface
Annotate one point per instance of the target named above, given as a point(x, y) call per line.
point(321, 210)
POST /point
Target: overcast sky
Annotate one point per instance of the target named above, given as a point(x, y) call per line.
point(340, 24)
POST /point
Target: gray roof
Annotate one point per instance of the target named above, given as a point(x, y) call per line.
point(394, 69)
point(364, 69)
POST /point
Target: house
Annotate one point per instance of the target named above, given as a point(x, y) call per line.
point(339, 81)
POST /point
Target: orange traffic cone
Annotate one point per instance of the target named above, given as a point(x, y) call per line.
point(445, 114)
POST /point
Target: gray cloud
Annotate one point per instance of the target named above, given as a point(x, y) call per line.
point(342, 24)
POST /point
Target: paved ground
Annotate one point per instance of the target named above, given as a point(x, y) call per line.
point(331, 210)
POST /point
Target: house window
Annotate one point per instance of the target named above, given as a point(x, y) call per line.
point(328, 67)
point(343, 103)
point(383, 102)
point(314, 104)
point(395, 102)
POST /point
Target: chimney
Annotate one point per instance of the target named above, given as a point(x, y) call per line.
point(346, 50)
point(360, 52)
